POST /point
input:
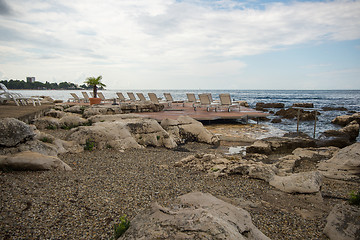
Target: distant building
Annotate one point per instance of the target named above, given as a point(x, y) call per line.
point(30, 79)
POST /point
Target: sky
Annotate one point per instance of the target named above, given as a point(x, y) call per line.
point(183, 44)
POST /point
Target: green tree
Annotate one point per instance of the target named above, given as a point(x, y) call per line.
point(95, 82)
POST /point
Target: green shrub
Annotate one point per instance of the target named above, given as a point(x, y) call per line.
point(51, 127)
point(354, 198)
point(89, 145)
point(68, 127)
point(120, 228)
point(46, 139)
point(158, 138)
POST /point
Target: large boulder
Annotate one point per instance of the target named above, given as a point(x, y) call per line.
point(304, 182)
point(123, 134)
point(46, 123)
point(345, 164)
point(187, 129)
point(71, 121)
point(352, 129)
point(76, 109)
point(343, 222)
point(340, 138)
point(197, 216)
point(55, 113)
point(344, 120)
point(51, 145)
point(13, 132)
point(32, 161)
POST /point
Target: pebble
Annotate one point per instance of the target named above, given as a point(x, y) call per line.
point(104, 185)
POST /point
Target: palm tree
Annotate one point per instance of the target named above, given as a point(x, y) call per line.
point(93, 81)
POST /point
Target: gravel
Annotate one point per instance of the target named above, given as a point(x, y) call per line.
point(104, 185)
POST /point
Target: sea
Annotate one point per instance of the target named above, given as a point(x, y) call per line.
point(350, 99)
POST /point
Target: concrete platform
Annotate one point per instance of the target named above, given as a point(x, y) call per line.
point(201, 113)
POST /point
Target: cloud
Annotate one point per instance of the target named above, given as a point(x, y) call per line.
point(176, 39)
point(4, 8)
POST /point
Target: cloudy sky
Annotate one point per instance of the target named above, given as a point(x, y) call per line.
point(183, 44)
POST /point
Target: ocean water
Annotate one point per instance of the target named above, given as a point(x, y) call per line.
point(349, 99)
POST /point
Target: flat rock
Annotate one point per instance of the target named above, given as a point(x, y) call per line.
point(32, 161)
point(345, 164)
point(198, 216)
point(304, 182)
point(343, 222)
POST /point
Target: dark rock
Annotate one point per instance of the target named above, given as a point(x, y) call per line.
point(303, 105)
point(296, 134)
point(291, 113)
point(276, 120)
point(280, 145)
point(333, 138)
point(344, 120)
point(340, 138)
point(334, 109)
point(261, 105)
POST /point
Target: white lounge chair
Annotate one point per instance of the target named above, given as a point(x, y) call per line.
point(225, 100)
point(6, 95)
point(205, 101)
point(121, 97)
point(75, 98)
point(191, 98)
point(155, 99)
point(131, 96)
point(101, 95)
point(86, 96)
point(141, 97)
point(170, 99)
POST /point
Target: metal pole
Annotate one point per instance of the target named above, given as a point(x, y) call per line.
point(298, 119)
point(315, 124)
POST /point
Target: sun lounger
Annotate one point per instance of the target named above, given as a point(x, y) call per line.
point(206, 102)
point(141, 97)
point(6, 95)
point(101, 95)
point(75, 98)
point(170, 99)
point(86, 96)
point(225, 100)
point(121, 97)
point(131, 96)
point(155, 99)
point(191, 98)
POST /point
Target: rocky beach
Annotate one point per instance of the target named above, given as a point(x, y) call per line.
point(74, 172)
